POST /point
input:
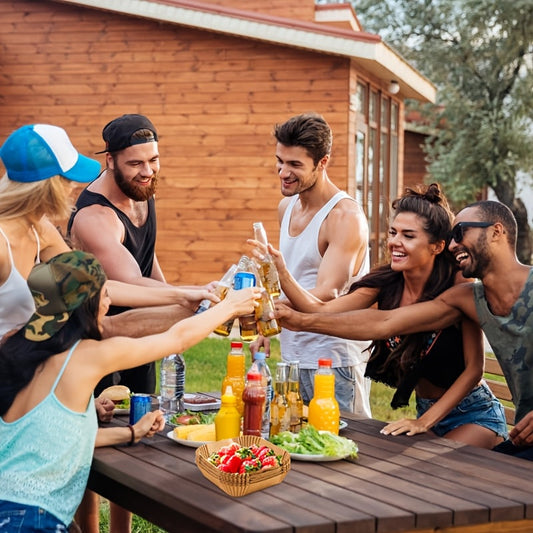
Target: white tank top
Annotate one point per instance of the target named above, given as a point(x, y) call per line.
point(303, 258)
point(16, 301)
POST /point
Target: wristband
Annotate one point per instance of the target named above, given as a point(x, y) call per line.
point(132, 441)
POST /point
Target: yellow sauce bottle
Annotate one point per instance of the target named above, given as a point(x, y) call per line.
point(324, 411)
point(235, 374)
point(228, 419)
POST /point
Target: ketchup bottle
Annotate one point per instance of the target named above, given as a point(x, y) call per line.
point(254, 404)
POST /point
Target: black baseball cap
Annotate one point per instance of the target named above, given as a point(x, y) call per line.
point(118, 133)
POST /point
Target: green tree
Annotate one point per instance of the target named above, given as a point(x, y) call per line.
point(479, 53)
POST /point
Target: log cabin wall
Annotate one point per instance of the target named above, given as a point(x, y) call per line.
point(415, 166)
point(214, 100)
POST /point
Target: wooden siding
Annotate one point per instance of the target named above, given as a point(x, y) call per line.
point(213, 99)
point(414, 164)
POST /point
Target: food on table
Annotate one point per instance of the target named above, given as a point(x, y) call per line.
point(237, 459)
point(309, 441)
point(196, 432)
point(189, 418)
point(198, 398)
point(119, 395)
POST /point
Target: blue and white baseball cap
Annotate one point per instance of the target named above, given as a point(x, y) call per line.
point(37, 152)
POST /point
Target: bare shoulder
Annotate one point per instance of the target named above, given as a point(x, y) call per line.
point(94, 216)
point(346, 214)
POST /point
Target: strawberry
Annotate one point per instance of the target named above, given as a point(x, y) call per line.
point(269, 462)
point(249, 465)
point(234, 463)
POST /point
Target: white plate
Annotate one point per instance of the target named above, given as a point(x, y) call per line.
point(343, 424)
point(185, 442)
point(316, 458)
point(121, 411)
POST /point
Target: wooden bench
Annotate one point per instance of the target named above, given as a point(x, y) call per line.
point(499, 388)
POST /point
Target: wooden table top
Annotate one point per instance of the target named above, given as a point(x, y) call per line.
point(397, 484)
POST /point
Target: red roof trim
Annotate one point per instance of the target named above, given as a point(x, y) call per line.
point(269, 19)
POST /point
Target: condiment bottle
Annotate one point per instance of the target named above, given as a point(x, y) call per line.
point(235, 374)
point(267, 269)
point(228, 419)
point(280, 415)
point(260, 365)
point(323, 408)
point(254, 404)
point(295, 398)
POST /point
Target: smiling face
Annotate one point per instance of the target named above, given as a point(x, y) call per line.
point(136, 169)
point(472, 253)
point(409, 244)
point(296, 170)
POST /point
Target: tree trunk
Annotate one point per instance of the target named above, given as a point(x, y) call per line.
point(524, 244)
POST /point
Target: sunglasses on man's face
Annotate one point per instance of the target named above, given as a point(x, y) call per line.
point(458, 231)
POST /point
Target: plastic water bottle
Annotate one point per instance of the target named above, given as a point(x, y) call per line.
point(172, 384)
point(259, 365)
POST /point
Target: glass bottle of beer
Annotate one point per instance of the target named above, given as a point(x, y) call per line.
point(267, 269)
point(295, 398)
point(280, 415)
point(221, 289)
point(266, 324)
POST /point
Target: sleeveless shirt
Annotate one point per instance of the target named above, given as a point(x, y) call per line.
point(303, 259)
point(45, 455)
point(139, 241)
point(16, 301)
point(511, 338)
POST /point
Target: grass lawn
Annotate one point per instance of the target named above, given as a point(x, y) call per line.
point(205, 369)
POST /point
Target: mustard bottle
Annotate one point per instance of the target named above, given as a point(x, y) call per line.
point(228, 419)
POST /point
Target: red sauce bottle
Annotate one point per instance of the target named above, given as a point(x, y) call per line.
point(254, 404)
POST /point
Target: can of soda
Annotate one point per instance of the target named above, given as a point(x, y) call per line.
point(140, 404)
point(243, 280)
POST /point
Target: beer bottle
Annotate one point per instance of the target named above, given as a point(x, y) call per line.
point(295, 398)
point(267, 325)
point(280, 416)
point(267, 269)
point(221, 289)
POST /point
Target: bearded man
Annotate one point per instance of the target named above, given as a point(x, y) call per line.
point(115, 219)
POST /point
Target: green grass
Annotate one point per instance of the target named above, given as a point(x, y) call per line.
point(205, 369)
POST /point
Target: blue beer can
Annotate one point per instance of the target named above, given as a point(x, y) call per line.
point(140, 404)
point(243, 280)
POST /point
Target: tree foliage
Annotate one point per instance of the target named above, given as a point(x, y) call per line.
point(479, 53)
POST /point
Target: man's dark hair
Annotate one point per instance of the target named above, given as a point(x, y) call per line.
point(309, 131)
point(491, 211)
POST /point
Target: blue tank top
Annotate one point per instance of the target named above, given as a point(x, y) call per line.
point(45, 456)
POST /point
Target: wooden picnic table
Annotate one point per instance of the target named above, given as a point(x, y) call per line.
point(422, 483)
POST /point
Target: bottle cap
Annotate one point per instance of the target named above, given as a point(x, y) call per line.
point(324, 362)
point(228, 396)
point(253, 376)
point(260, 355)
point(236, 344)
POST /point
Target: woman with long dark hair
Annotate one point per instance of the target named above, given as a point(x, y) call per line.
point(48, 371)
point(444, 367)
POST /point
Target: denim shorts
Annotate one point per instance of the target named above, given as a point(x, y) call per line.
point(344, 386)
point(480, 407)
point(20, 518)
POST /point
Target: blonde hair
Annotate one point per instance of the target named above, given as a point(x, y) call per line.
point(33, 200)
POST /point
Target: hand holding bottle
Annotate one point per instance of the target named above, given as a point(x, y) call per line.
point(243, 301)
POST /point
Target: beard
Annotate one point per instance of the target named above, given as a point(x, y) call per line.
point(135, 192)
point(479, 266)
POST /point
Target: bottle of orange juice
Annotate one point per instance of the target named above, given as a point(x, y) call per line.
point(235, 374)
point(323, 408)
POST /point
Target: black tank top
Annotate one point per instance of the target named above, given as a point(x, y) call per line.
point(139, 241)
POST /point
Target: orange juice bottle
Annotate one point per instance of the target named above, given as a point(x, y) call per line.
point(323, 408)
point(235, 374)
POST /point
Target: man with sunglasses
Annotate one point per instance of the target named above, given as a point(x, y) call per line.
point(483, 242)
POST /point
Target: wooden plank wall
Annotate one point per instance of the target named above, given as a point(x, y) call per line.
point(214, 100)
point(415, 167)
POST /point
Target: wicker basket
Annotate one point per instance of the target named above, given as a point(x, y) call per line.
point(242, 484)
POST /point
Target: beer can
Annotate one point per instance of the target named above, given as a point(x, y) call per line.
point(140, 404)
point(243, 280)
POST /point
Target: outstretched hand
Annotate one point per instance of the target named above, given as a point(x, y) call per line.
point(409, 426)
point(287, 317)
point(242, 301)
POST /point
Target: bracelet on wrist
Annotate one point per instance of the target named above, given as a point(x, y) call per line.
point(132, 441)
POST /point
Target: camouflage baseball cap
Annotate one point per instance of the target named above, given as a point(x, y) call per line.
point(58, 287)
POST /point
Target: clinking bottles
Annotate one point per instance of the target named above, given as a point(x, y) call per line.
point(267, 326)
point(221, 289)
point(254, 404)
point(267, 269)
point(323, 408)
point(235, 374)
point(228, 419)
point(295, 398)
point(245, 277)
point(280, 415)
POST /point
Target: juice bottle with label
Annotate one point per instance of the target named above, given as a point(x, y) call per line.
point(323, 408)
point(228, 419)
point(235, 374)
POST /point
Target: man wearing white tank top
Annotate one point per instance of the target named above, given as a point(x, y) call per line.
point(324, 241)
